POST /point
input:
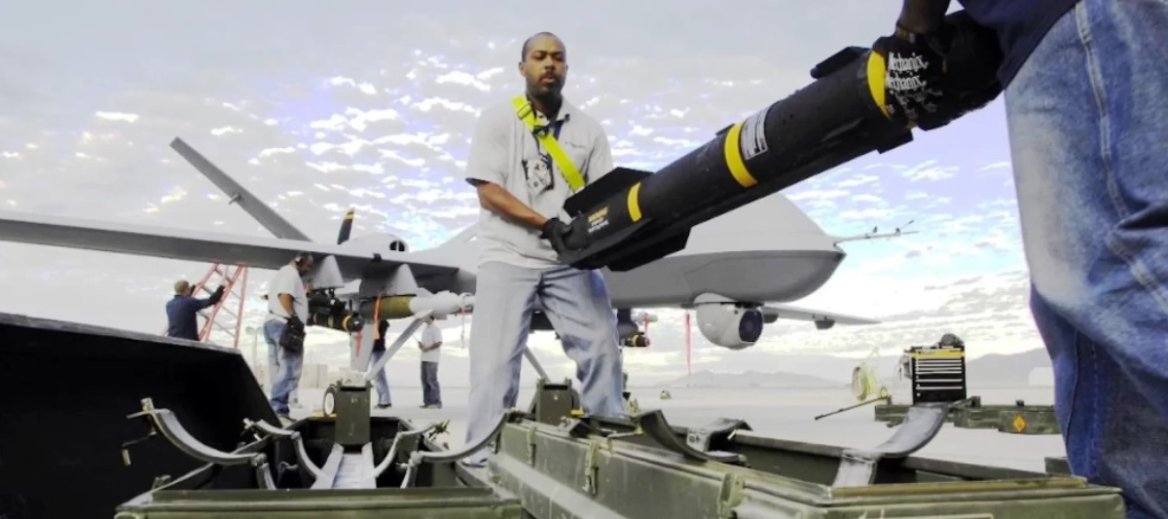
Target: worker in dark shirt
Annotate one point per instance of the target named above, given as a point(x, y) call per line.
point(1086, 95)
point(382, 384)
point(181, 311)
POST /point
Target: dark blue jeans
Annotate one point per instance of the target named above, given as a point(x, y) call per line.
point(1088, 121)
point(283, 365)
point(431, 395)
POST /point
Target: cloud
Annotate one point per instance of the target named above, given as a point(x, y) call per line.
point(360, 119)
point(867, 214)
point(818, 195)
point(274, 151)
point(868, 198)
point(175, 195)
point(427, 104)
point(326, 167)
point(363, 87)
point(857, 180)
point(117, 116)
point(640, 130)
point(225, 130)
point(463, 78)
point(929, 171)
point(990, 311)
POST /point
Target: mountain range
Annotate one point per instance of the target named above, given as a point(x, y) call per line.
point(751, 379)
point(825, 371)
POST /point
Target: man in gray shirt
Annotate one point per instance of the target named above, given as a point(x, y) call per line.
point(527, 157)
point(287, 306)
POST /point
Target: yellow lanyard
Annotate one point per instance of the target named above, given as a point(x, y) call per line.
point(526, 114)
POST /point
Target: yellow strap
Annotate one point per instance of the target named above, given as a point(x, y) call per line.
point(526, 114)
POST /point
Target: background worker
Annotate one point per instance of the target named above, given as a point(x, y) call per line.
point(430, 344)
point(1086, 90)
point(287, 306)
point(182, 310)
point(380, 381)
point(523, 156)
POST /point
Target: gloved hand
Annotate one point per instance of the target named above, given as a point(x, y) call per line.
point(565, 237)
point(295, 323)
point(914, 78)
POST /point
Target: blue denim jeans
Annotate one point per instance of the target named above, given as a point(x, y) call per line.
point(431, 394)
point(380, 381)
point(578, 306)
point(284, 364)
point(1088, 123)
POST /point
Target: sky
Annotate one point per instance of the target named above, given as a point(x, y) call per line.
point(319, 107)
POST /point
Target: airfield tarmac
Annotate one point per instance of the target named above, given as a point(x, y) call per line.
point(783, 413)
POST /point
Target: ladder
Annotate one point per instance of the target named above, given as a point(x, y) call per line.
point(234, 280)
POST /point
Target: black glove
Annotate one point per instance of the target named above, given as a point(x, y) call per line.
point(914, 78)
point(292, 338)
point(295, 323)
point(565, 237)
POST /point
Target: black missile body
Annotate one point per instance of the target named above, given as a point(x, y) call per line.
point(635, 217)
point(327, 311)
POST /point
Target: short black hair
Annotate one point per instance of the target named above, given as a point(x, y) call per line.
point(527, 42)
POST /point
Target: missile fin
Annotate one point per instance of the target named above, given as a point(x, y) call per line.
point(595, 193)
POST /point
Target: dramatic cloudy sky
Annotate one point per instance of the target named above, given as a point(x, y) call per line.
point(317, 107)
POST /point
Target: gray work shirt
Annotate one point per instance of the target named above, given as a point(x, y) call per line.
point(287, 281)
point(506, 153)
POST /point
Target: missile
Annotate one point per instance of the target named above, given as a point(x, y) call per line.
point(345, 322)
point(397, 307)
point(634, 217)
point(327, 311)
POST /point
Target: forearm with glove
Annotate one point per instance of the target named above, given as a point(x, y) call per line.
point(563, 236)
point(915, 68)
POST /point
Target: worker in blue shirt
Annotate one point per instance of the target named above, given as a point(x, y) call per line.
point(1086, 93)
point(182, 309)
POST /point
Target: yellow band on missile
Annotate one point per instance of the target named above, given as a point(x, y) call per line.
point(876, 70)
point(634, 202)
point(734, 157)
point(394, 307)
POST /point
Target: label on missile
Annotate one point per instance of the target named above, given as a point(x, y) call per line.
point(598, 220)
point(753, 140)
